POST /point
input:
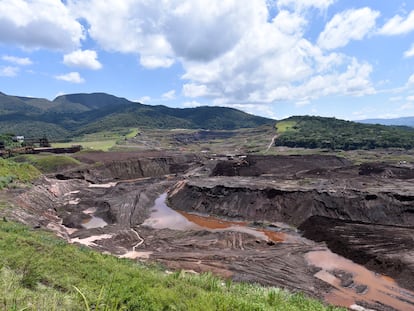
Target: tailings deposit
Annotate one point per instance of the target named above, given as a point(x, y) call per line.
point(316, 224)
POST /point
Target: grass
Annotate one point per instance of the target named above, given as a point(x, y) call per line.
point(47, 163)
point(12, 172)
point(103, 145)
point(283, 126)
point(104, 141)
point(41, 272)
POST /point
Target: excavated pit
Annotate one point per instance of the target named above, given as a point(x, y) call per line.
point(250, 218)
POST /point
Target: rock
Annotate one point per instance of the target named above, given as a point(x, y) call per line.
point(361, 289)
point(359, 308)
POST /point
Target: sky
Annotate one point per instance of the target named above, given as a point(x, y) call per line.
point(349, 59)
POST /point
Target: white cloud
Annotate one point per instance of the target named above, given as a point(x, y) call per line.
point(144, 100)
point(8, 71)
point(152, 62)
point(191, 104)
point(406, 106)
point(194, 90)
point(235, 54)
point(160, 33)
point(305, 4)
point(82, 59)
point(289, 23)
point(168, 95)
point(211, 27)
point(410, 98)
point(410, 51)
point(410, 81)
point(22, 61)
point(398, 25)
point(72, 77)
point(39, 24)
point(346, 26)
point(128, 27)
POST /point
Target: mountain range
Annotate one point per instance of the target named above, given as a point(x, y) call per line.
point(404, 121)
point(76, 114)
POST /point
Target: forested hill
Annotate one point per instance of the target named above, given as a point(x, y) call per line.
point(75, 114)
point(331, 133)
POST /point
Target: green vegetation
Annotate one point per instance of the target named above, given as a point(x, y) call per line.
point(331, 133)
point(103, 140)
point(12, 172)
point(283, 126)
point(77, 114)
point(41, 272)
point(47, 163)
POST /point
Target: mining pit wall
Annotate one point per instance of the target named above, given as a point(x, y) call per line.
point(292, 206)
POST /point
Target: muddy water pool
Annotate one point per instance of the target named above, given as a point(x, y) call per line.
point(164, 217)
point(94, 222)
point(352, 283)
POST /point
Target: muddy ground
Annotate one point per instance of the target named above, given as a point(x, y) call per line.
point(249, 218)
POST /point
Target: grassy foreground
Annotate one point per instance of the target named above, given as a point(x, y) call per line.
point(41, 272)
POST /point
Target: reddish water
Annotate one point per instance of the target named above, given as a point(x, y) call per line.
point(164, 217)
point(381, 289)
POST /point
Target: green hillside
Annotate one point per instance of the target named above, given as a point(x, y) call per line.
point(75, 114)
point(331, 133)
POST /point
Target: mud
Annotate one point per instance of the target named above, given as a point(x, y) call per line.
point(239, 217)
point(383, 249)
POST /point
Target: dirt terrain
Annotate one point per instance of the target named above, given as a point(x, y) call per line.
point(267, 219)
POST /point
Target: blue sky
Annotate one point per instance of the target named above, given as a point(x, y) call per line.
point(351, 59)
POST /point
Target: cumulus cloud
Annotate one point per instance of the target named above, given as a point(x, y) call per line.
point(83, 59)
point(39, 24)
point(161, 32)
point(410, 51)
point(168, 95)
point(131, 26)
point(236, 54)
point(211, 27)
point(346, 26)
point(72, 77)
point(8, 71)
point(22, 61)
point(398, 25)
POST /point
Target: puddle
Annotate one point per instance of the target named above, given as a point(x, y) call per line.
point(94, 222)
point(379, 288)
point(163, 217)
